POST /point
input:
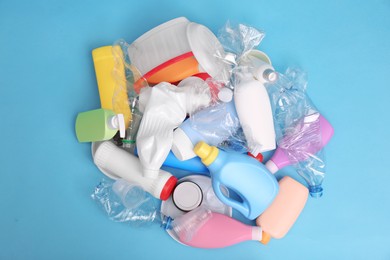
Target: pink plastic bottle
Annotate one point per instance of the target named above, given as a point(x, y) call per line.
point(280, 158)
point(221, 231)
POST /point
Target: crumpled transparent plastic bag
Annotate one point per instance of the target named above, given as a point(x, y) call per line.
point(238, 39)
point(127, 84)
point(143, 214)
point(220, 127)
point(297, 127)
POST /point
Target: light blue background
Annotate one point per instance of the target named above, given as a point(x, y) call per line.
point(47, 77)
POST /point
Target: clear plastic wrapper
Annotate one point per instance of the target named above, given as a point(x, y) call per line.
point(126, 84)
point(238, 39)
point(132, 75)
point(298, 128)
point(136, 207)
point(220, 126)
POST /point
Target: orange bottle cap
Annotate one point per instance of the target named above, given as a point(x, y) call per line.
point(266, 238)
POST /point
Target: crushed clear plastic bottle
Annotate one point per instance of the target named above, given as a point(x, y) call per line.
point(298, 128)
point(188, 224)
point(126, 202)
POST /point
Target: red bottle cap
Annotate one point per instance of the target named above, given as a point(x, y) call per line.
point(259, 157)
point(168, 188)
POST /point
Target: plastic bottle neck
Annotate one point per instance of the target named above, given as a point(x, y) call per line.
point(117, 122)
point(207, 153)
point(316, 191)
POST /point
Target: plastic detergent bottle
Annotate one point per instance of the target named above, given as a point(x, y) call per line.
point(255, 185)
point(279, 217)
point(99, 125)
point(187, 136)
point(122, 164)
point(253, 106)
point(219, 231)
point(280, 159)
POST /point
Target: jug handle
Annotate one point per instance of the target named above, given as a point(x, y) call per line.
point(240, 206)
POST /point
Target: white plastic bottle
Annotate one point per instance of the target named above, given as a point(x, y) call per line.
point(121, 164)
point(253, 105)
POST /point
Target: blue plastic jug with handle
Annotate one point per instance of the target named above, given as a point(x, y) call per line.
point(246, 176)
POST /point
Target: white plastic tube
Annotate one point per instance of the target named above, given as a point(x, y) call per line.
point(165, 108)
point(119, 163)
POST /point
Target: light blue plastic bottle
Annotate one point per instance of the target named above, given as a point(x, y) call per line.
point(213, 125)
point(247, 177)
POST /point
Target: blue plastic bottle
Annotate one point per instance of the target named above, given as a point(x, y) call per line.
point(193, 165)
point(221, 119)
point(247, 177)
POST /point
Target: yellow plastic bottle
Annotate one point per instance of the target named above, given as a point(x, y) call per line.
point(111, 80)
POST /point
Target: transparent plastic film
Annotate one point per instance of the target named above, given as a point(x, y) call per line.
point(289, 100)
point(220, 126)
point(130, 204)
point(128, 81)
point(198, 93)
point(238, 39)
point(134, 80)
point(298, 128)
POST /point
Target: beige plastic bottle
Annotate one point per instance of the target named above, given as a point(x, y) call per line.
point(278, 218)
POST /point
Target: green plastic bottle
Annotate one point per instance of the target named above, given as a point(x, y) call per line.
point(99, 125)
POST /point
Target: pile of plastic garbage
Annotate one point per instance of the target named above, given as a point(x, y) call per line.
point(185, 119)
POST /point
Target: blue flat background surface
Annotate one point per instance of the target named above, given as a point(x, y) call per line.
point(47, 77)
